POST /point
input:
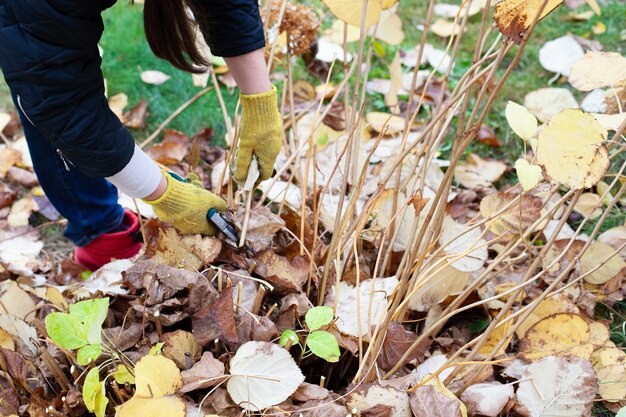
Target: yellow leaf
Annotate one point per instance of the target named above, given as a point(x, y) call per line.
point(597, 256)
point(589, 205)
point(514, 17)
point(335, 33)
point(495, 337)
point(610, 121)
point(610, 367)
point(386, 4)
point(6, 342)
point(521, 120)
point(388, 124)
point(599, 28)
point(598, 333)
point(562, 334)
point(122, 375)
point(598, 69)
point(547, 307)
point(390, 30)
point(445, 28)
point(350, 11)
point(156, 377)
point(571, 151)
point(529, 175)
point(146, 407)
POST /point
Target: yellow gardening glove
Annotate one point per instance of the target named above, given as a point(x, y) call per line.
point(185, 205)
point(261, 127)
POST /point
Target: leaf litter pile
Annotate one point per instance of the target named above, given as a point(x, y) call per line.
point(373, 277)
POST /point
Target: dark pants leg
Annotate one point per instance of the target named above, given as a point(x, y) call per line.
point(89, 204)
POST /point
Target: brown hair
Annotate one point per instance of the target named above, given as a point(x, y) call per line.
point(170, 33)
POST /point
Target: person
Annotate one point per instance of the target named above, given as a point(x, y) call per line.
point(81, 152)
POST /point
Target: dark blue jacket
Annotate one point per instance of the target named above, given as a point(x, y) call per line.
point(50, 60)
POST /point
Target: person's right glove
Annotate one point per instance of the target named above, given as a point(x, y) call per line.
point(185, 205)
point(261, 128)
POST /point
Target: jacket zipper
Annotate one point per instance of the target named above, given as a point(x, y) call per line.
point(65, 160)
point(19, 103)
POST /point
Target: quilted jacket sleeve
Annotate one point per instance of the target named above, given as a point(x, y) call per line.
point(230, 27)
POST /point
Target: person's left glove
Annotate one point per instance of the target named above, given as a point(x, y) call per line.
point(185, 204)
point(261, 128)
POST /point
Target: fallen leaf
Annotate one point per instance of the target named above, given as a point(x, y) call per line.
point(261, 228)
point(550, 305)
point(610, 121)
point(136, 116)
point(204, 373)
point(561, 334)
point(189, 251)
point(262, 375)
point(181, 347)
point(464, 246)
point(487, 399)
point(172, 149)
point(8, 158)
point(603, 260)
point(558, 387)
point(19, 254)
point(287, 275)
point(479, 172)
point(328, 51)
point(16, 301)
point(615, 237)
point(396, 343)
point(521, 120)
point(22, 177)
point(514, 17)
point(559, 55)
point(154, 77)
point(545, 103)
point(571, 151)
point(440, 281)
point(390, 29)
point(428, 401)
point(21, 211)
point(396, 401)
point(387, 124)
point(598, 69)
point(445, 28)
point(118, 103)
point(216, 321)
point(589, 205)
point(610, 367)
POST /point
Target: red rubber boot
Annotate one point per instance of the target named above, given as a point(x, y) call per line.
point(110, 246)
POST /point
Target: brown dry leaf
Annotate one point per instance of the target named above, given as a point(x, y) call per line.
point(557, 386)
point(287, 275)
point(545, 103)
point(189, 252)
point(387, 124)
point(428, 401)
point(308, 392)
point(136, 116)
point(514, 17)
point(7, 195)
point(261, 228)
point(561, 334)
point(216, 321)
point(441, 281)
point(603, 260)
point(445, 28)
point(598, 69)
point(610, 367)
point(549, 306)
point(204, 373)
point(397, 341)
point(172, 149)
point(181, 347)
point(479, 172)
point(516, 219)
point(350, 11)
point(589, 205)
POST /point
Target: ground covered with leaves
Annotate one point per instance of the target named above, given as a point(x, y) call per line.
point(385, 271)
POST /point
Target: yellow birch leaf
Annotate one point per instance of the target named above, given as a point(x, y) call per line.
point(521, 120)
point(598, 69)
point(156, 377)
point(562, 334)
point(571, 151)
point(514, 17)
point(598, 333)
point(170, 406)
point(528, 175)
point(390, 30)
point(610, 367)
point(350, 11)
point(6, 342)
point(547, 307)
point(597, 254)
point(495, 337)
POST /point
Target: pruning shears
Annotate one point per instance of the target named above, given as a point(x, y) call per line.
point(223, 225)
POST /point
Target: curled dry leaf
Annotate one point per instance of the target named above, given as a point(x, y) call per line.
point(561, 334)
point(135, 118)
point(558, 387)
point(479, 172)
point(559, 54)
point(118, 103)
point(598, 69)
point(172, 149)
point(397, 342)
point(203, 374)
point(262, 375)
point(603, 260)
point(189, 252)
point(19, 254)
point(514, 17)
